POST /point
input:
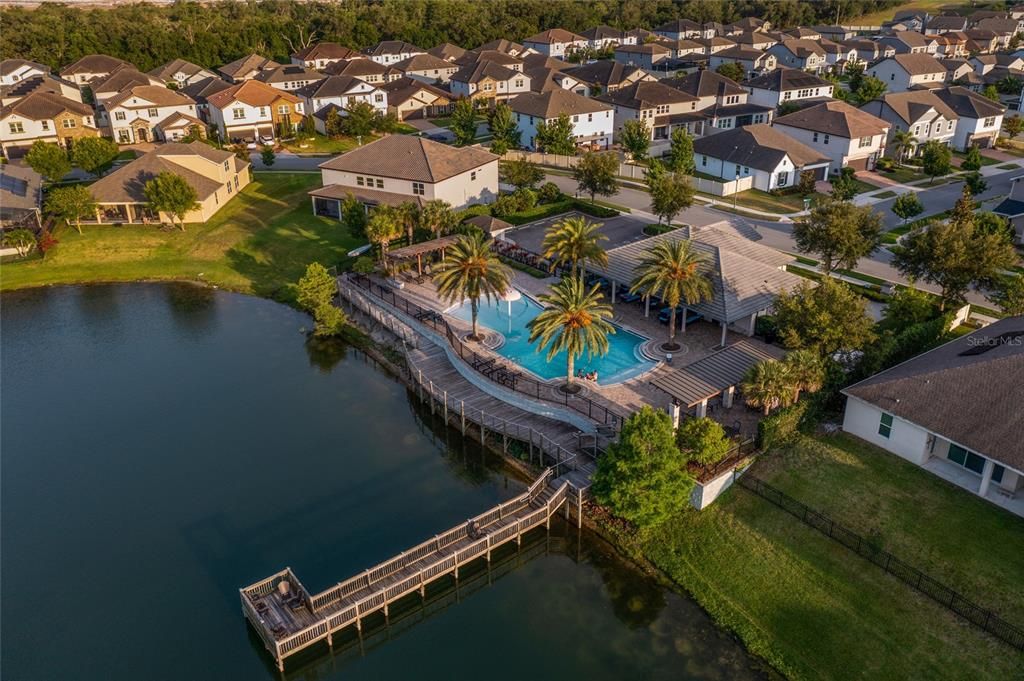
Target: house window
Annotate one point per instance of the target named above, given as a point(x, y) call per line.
point(864, 142)
point(152, 113)
point(45, 124)
point(17, 127)
point(826, 139)
point(228, 185)
point(119, 115)
point(892, 76)
point(786, 96)
point(238, 114)
point(236, 181)
point(949, 126)
point(783, 179)
point(380, 183)
point(989, 122)
point(378, 98)
point(519, 82)
point(704, 161)
point(122, 137)
point(472, 176)
point(917, 129)
point(885, 425)
point(759, 118)
point(814, 137)
point(590, 118)
point(359, 180)
point(263, 112)
point(967, 459)
point(226, 165)
point(69, 122)
point(283, 109)
point(417, 188)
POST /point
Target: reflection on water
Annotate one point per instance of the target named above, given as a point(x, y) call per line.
point(169, 444)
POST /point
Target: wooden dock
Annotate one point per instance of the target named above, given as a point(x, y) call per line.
point(289, 619)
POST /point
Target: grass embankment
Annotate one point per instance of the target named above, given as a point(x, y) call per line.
point(259, 243)
point(817, 611)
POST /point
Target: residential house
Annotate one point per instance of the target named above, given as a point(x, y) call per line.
point(985, 63)
point(781, 86)
point(289, 77)
point(714, 44)
point(447, 51)
point(943, 23)
point(253, 111)
point(428, 68)
point(23, 88)
point(981, 40)
point(91, 67)
point(364, 69)
point(837, 55)
point(952, 45)
point(905, 71)
point(803, 54)
point(660, 106)
point(488, 80)
point(409, 98)
point(960, 72)
point(199, 91)
point(646, 56)
point(135, 115)
point(556, 42)
point(321, 55)
point(954, 411)
point(508, 47)
point(341, 92)
point(836, 33)
point(14, 71)
point(21, 197)
point(980, 119)
point(216, 176)
point(921, 112)
point(544, 78)
point(1012, 208)
point(389, 52)
point(770, 158)
point(906, 42)
point(116, 83)
point(246, 68)
point(178, 73)
point(401, 168)
point(500, 58)
point(682, 28)
point(850, 137)
point(802, 33)
point(605, 37)
point(754, 62)
point(44, 116)
point(593, 122)
point(870, 50)
point(722, 103)
point(754, 41)
point(607, 76)
point(752, 24)
point(683, 50)
point(1003, 28)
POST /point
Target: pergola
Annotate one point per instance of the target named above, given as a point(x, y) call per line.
point(717, 374)
point(423, 248)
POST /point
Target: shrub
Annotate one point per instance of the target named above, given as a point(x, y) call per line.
point(549, 192)
point(594, 210)
point(506, 205)
point(781, 427)
point(525, 198)
point(364, 265)
point(703, 441)
point(885, 164)
point(766, 328)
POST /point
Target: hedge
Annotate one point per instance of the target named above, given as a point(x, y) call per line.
point(781, 427)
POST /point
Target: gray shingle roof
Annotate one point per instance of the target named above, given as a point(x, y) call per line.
point(969, 391)
point(758, 146)
point(410, 158)
point(554, 103)
point(835, 118)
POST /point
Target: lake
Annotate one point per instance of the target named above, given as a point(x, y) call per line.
point(164, 445)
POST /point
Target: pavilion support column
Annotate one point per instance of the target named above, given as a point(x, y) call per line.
point(675, 410)
point(615, 288)
point(99, 220)
point(986, 477)
point(752, 324)
point(702, 409)
point(725, 328)
point(130, 214)
point(647, 306)
point(682, 324)
point(727, 396)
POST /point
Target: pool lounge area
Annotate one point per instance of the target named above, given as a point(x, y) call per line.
point(510, 319)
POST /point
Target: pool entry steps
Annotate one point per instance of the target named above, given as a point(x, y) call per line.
point(289, 619)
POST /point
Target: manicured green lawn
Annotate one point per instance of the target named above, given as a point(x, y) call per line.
point(1008, 166)
point(903, 174)
point(259, 243)
point(782, 203)
point(319, 144)
point(985, 160)
point(885, 195)
point(818, 611)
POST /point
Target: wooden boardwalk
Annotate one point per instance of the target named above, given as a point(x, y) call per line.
point(289, 619)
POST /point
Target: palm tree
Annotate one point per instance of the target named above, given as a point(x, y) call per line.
point(806, 369)
point(438, 217)
point(573, 242)
point(670, 270)
point(382, 228)
point(408, 214)
point(471, 270)
point(575, 320)
point(903, 143)
point(768, 385)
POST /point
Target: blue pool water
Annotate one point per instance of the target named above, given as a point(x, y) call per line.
point(621, 363)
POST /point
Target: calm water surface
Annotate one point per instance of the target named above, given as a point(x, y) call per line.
point(164, 445)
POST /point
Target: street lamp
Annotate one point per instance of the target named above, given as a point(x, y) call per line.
point(736, 187)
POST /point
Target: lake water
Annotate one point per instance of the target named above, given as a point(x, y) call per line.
point(164, 445)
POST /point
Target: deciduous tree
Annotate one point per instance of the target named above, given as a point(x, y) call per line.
point(839, 233)
point(520, 172)
point(49, 160)
point(267, 155)
point(636, 138)
point(171, 194)
point(702, 440)
point(936, 159)
point(844, 185)
point(315, 293)
point(680, 154)
point(825, 318)
point(70, 204)
point(972, 161)
point(556, 137)
point(670, 192)
point(358, 119)
point(595, 173)
point(733, 70)
point(22, 240)
point(907, 206)
point(504, 133)
point(94, 154)
point(463, 124)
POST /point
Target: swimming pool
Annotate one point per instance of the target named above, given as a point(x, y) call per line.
point(622, 362)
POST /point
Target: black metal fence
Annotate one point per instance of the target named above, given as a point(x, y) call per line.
point(937, 591)
point(740, 451)
point(516, 381)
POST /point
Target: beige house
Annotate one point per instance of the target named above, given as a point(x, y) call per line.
point(246, 68)
point(410, 98)
point(44, 116)
point(91, 67)
point(403, 168)
point(216, 175)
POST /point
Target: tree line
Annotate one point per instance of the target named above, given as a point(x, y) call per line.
point(213, 34)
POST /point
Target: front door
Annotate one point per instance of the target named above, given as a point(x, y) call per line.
point(143, 134)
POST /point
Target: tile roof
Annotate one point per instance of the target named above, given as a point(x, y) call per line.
point(8, 66)
point(705, 83)
point(95, 63)
point(918, 64)
point(202, 89)
point(410, 158)
point(835, 118)
point(604, 73)
point(155, 94)
point(758, 146)
point(645, 95)
point(326, 51)
point(331, 86)
point(554, 35)
point(474, 73)
point(251, 92)
point(913, 104)
point(287, 73)
point(27, 86)
point(404, 88)
point(357, 67)
point(40, 106)
point(552, 104)
point(252, 62)
point(123, 78)
point(167, 71)
point(782, 80)
point(603, 33)
point(447, 51)
point(423, 62)
point(502, 45)
point(969, 391)
point(969, 104)
point(392, 47)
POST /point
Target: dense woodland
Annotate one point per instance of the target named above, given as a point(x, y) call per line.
point(216, 33)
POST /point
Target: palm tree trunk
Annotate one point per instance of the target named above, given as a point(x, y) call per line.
point(767, 407)
point(569, 373)
point(672, 326)
point(682, 324)
point(473, 306)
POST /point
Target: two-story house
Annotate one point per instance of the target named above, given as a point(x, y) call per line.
point(921, 112)
point(605, 75)
point(44, 116)
point(788, 85)
point(606, 37)
point(593, 123)
point(850, 137)
point(179, 73)
point(754, 40)
point(364, 69)
point(660, 106)
point(488, 80)
point(907, 42)
point(428, 68)
point(722, 103)
point(556, 42)
point(246, 68)
point(23, 88)
point(714, 44)
point(802, 53)
point(447, 51)
point(322, 55)
point(869, 50)
point(389, 52)
point(410, 98)
point(678, 29)
point(289, 77)
point(136, 114)
point(753, 62)
point(340, 92)
point(14, 71)
point(91, 67)
point(646, 55)
point(513, 49)
point(905, 71)
point(216, 176)
point(116, 83)
point(253, 111)
point(198, 92)
point(404, 168)
point(980, 119)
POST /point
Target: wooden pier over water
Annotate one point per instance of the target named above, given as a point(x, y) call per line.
point(289, 619)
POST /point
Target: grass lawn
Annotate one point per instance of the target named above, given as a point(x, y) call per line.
point(903, 174)
point(985, 160)
point(772, 203)
point(1008, 166)
point(815, 609)
point(886, 195)
point(320, 144)
point(259, 243)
